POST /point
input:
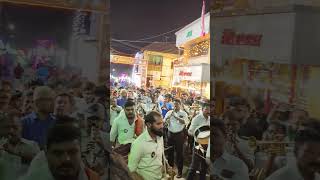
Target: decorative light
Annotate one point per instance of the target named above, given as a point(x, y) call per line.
point(198, 49)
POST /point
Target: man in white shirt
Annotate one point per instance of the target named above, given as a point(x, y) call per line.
point(225, 165)
point(146, 155)
point(235, 145)
point(114, 110)
point(123, 128)
point(201, 119)
point(306, 165)
point(16, 153)
point(176, 120)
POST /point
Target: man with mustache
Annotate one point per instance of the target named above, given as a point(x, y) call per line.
point(146, 155)
point(63, 105)
point(62, 158)
point(16, 152)
point(123, 128)
point(306, 164)
point(36, 124)
point(176, 121)
point(222, 164)
point(202, 119)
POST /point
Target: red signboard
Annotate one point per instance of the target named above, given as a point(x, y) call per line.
point(230, 37)
point(182, 73)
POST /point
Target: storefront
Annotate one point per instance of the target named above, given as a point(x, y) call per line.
point(193, 78)
point(192, 69)
point(266, 54)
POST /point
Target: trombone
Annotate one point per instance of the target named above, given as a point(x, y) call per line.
point(277, 147)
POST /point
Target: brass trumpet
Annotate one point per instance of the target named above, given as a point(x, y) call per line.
point(271, 147)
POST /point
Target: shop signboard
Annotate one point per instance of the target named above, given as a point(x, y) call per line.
point(196, 73)
point(290, 36)
point(86, 5)
point(122, 60)
point(265, 37)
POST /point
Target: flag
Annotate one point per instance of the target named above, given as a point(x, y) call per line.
point(203, 31)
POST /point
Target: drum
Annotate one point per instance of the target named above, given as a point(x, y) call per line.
point(202, 135)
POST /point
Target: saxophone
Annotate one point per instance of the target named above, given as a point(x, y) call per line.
point(91, 147)
point(169, 172)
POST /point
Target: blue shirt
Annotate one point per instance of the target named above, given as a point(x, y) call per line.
point(121, 101)
point(35, 129)
point(164, 111)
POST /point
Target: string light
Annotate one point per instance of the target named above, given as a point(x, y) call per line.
point(199, 49)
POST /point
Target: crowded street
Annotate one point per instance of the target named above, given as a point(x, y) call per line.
point(159, 90)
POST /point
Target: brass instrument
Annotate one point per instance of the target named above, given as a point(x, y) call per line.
point(196, 107)
point(271, 147)
point(167, 120)
point(168, 171)
point(90, 155)
point(141, 111)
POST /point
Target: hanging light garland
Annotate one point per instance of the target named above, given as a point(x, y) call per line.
point(199, 49)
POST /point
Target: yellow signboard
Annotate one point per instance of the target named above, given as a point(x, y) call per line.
point(84, 5)
point(122, 60)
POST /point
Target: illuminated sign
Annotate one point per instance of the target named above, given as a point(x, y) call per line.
point(230, 37)
point(182, 73)
point(85, 5)
point(189, 34)
point(122, 60)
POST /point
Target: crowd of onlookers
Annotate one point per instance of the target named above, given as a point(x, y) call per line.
point(249, 143)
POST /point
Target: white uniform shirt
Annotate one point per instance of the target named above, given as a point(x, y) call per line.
point(289, 172)
point(13, 166)
point(175, 126)
point(146, 157)
point(160, 98)
point(243, 147)
point(235, 168)
point(114, 114)
point(122, 130)
point(198, 121)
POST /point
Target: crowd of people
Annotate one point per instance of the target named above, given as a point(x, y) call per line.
point(55, 128)
point(60, 127)
point(155, 130)
point(65, 127)
point(249, 143)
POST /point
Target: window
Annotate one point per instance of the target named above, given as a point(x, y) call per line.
point(155, 63)
point(155, 60)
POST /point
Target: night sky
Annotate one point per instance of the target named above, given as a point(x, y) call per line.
point(137, 19)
